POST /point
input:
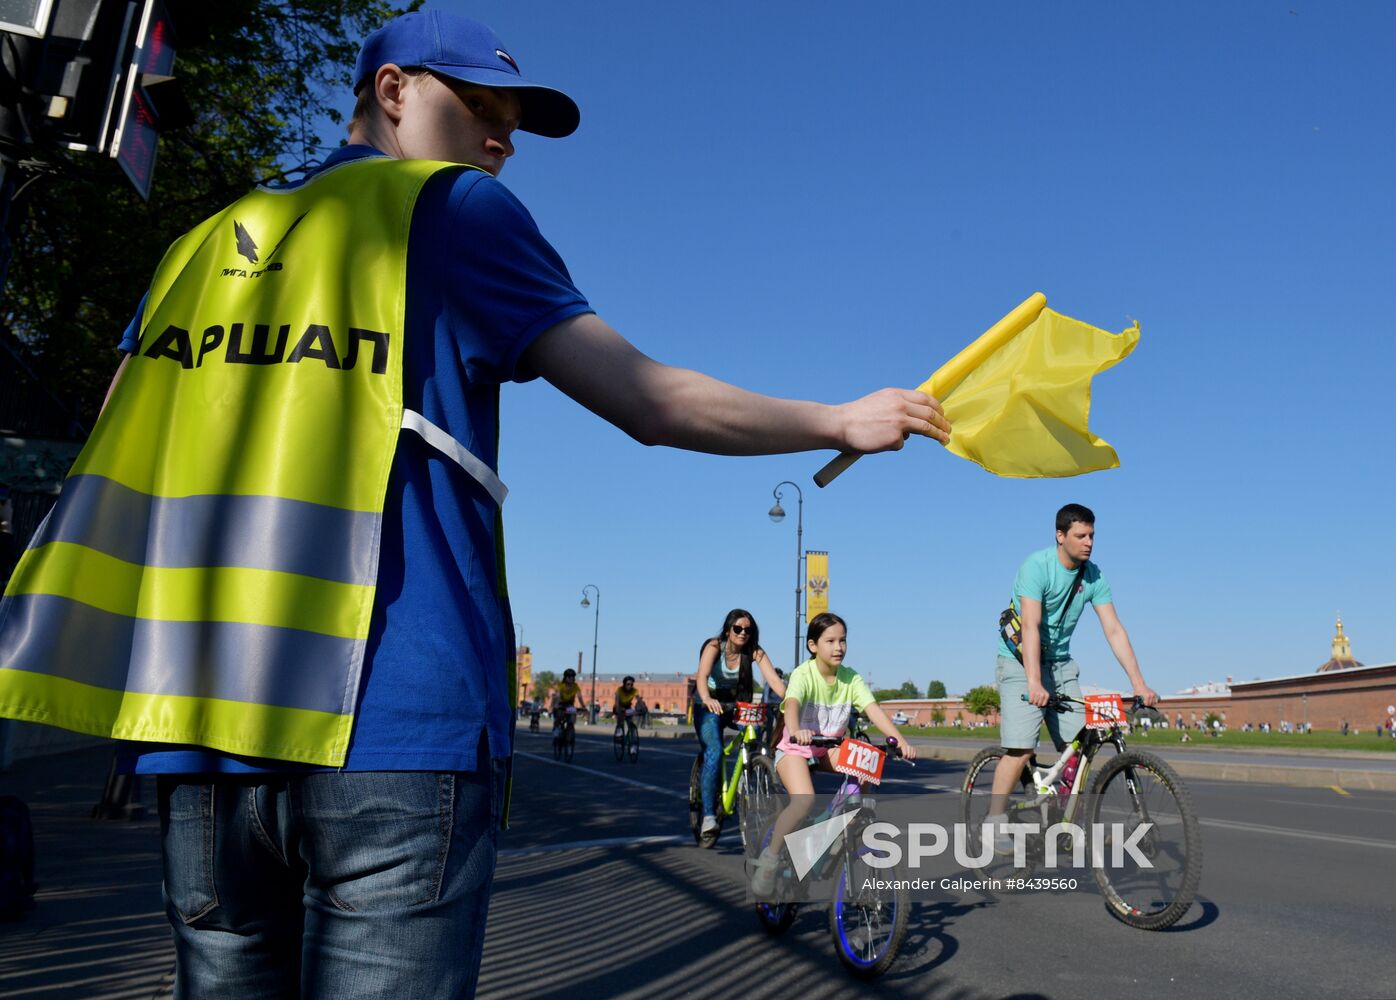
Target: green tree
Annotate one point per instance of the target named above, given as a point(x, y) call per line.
point(982, 700)
point(938, 715)
point(936, 689)
point(543, 680)
point(262, 78)
point(907, 690)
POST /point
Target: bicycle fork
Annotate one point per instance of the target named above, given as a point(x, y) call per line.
point(731, 786)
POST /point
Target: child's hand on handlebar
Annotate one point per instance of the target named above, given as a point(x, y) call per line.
point(1037, 695)
point(803, 736)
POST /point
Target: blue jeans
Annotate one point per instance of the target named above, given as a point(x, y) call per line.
point(330, 884)
point(709, 728)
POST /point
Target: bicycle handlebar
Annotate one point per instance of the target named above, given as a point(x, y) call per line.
point(891, 746)
point(1059, 702)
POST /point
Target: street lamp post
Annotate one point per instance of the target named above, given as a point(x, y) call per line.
point(595, 627)
point(777, 514)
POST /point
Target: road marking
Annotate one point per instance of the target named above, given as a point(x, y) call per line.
point(646, 748)
point(1338, 789)
point(602, 774)
point(645, 745)
point(582, 845)
point(1335, 838)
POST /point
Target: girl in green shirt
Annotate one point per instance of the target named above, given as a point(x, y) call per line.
point(820, 697)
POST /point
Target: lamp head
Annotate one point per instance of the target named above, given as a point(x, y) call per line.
point(777, 513)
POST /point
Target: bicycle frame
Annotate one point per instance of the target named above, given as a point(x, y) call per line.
point(849, 788)
point(736, 749)
point(1087, 744)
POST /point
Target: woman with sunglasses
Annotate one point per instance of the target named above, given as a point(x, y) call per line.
point(725, 678)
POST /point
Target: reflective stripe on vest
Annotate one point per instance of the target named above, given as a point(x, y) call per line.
point(207, 576)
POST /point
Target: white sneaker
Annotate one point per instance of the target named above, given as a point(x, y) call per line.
point(1003, 843)
point(709, 826)
point(763, 875)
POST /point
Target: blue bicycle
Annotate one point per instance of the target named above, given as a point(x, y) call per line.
point(868, 906)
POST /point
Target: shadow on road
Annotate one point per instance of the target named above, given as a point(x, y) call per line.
point(99, 930)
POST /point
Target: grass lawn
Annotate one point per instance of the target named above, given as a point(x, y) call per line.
point(1232, 738)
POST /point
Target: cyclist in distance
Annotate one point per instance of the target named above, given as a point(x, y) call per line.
point(625, 700)
point(567, 693)
point(1045, 597)
point(725, 678)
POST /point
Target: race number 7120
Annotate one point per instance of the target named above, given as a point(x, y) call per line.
point(861, 760)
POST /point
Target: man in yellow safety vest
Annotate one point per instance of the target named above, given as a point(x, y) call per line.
point(276, 571)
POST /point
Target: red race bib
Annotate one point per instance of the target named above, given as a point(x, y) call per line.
point(749, 715)
point(861, 760)
point(1104, 711)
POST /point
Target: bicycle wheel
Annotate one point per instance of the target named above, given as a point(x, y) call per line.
point(633, 736)
point(757, 800)
point(695, 798)
point(867, 915)
point(975, 795)
point(1133, 789)
point(569, 744)
point(618, 744)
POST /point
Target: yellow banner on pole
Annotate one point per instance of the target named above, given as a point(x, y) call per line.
point(524, 661)
point(816, 583)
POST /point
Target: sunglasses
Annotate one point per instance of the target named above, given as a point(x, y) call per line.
point(741, 629)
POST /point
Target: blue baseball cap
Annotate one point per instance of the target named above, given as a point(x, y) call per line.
point(468, 51)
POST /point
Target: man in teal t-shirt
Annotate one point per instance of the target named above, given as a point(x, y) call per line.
point(1050, 593)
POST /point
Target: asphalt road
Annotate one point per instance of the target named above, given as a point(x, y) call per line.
point(601, 889)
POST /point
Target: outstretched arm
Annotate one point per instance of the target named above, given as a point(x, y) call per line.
point(1118, 639)
point(658, 404)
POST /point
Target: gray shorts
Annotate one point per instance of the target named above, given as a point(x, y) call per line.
point(1020, 722)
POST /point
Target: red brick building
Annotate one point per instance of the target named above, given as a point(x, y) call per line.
point(1341, 690)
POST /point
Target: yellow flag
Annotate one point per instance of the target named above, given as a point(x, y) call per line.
point(816, 583)
point(1019, 398)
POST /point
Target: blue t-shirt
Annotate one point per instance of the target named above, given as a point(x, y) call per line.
point(482, 283)
point(1042, 577)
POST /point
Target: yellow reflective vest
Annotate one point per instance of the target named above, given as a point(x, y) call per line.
point(207, 576)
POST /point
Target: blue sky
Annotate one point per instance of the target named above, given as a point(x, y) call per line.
point(813, 200)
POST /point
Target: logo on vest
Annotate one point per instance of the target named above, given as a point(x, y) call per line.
point(247, 247)
point(317, 343)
